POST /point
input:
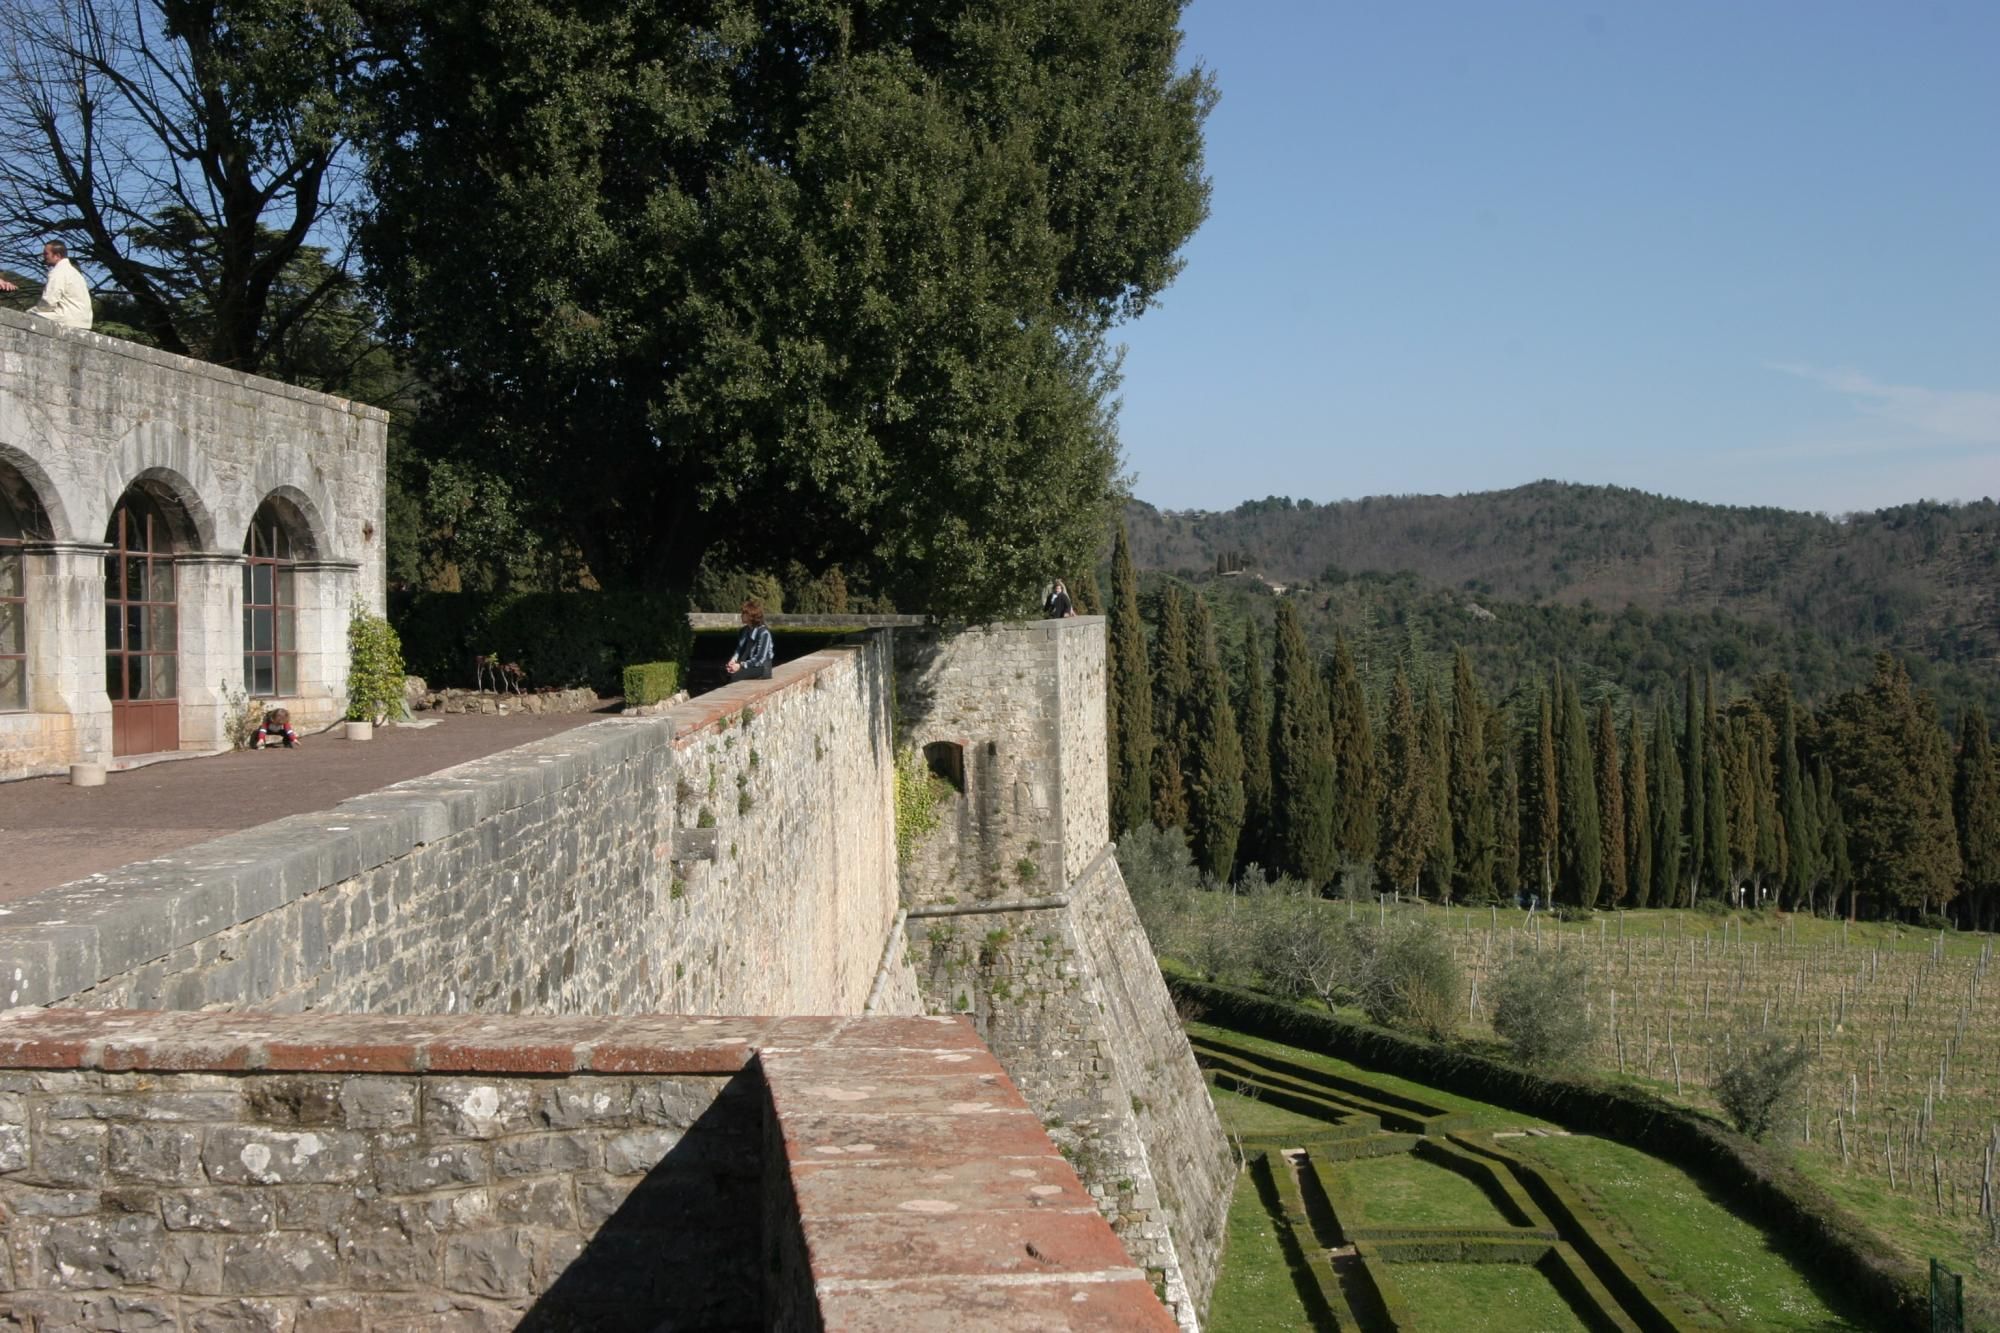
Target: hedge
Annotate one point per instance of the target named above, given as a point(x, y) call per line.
point(1816, 1230)
point(559, 638)
point(650, 682)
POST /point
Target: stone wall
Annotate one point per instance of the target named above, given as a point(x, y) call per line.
point(313, 1174)
point(1069, 998)
point(733, 855)
point(82, 418)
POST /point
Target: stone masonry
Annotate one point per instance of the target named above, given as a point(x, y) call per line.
point(314, 1174)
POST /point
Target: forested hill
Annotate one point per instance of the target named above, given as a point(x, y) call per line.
point(1918, 579)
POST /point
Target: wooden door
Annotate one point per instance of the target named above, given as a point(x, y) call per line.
point(141, 630)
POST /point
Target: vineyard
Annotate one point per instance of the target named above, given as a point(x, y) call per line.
point(1901, 1115)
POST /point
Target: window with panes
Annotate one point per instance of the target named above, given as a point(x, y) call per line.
point(13, 612)
point(270, 606)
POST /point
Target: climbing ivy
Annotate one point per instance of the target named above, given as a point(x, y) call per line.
point(919, 793)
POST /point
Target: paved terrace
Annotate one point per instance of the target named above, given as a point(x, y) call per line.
point(52, 833)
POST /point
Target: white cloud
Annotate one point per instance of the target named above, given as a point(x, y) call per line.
point(1967, 416)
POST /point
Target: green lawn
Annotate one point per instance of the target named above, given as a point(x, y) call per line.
point(1248, 1116)
point(1493, 1298)
point(1406, 1191)
point(1255, 1288)
point(1693, 1245)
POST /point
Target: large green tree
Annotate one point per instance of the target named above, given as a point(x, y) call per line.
point(1638, 818)
point(1435, 729)
point(1714, 791)
point(1694, 772)
point(1173, 682)
point(1128, 697)
point(1471, 786)
point(1667, 798)
point(1253, 710)
point(1407, 804)
point(1302, 777)
point(1212, 754)
point(1541, 801)
point(832, 280)
point(1611, 805)
point(1579, 831)
point(1895, 790)
point(1356, 824)
point(1976, 807)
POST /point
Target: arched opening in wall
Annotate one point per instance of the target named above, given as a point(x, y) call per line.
point(946, 760)
point(271, 600)
point(141, 620)
point(15, 500)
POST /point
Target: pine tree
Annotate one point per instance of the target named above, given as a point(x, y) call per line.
point(1302, 760)
point(1715, 818)
point(1355, 822)
point(1129, 700)
point(1611, 806)
point(1173, 679)
point(1668, 799)
point(1407, 808)
point(1796, 806)
point(1976, 809)
point(1541, 803)
point(1580, 837)
point(1253, 707)
point(1436, 732)
point(1694, 773)
point(1471, 786)
point(1214, 755)
point(1638, 818)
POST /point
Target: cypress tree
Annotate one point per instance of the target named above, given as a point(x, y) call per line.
point(1173, 678)
point(1836, 867)
point(1355, 821)
point(1506, 811)
point(1638, 818)
point(1302, 778)
point(1253, 708)
point(1895, 790)
point(1129, 701)
point(1796, 805)
point(1214, 755)
point(1611, 806)
point(1086, 595)
point(1715, 817)
point(1580, 836)
point(1541, 803)
point(1740, 796)
point(1694, 773)
point(1471, 786)
point(1407, 806)
point(1770, 847)
point(1669, 800)
point(1436, 732)
point(1976, 809)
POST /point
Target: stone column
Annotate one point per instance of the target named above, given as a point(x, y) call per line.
point(208, 589)
point(65, 589)
point(328, 593)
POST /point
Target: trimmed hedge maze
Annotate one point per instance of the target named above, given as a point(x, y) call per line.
point(1495, 1207)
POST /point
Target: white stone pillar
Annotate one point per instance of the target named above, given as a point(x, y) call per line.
point(208, 590)
point(327, 593)
point(65, 608)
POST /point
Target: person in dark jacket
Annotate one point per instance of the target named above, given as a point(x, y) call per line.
point(1058, 605)
point(754, 651)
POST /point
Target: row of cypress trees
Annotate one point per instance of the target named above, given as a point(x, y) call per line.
point(1459, 798)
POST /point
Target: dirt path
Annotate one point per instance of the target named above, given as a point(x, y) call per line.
point(51, 832)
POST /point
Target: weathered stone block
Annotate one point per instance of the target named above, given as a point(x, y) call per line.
point(255, 1155)
point(163, 1154)
point(279, 1264)
point(492, 1264)
point(218, 1210)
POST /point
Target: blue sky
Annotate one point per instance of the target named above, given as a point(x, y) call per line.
point(1745, 253)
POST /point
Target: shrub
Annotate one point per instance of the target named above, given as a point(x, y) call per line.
point(919, 793)
point(1159, 873)
point(1712, 906)
point(650, 682)
point(561, 638)
point(1300, 950)
point(1541, 1007)
point(1757, 1080)
point(374, 670)
point(1405, 977)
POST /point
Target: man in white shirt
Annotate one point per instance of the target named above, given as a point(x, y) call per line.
point(65, 296)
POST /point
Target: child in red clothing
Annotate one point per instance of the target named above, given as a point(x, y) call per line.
point(277, 726)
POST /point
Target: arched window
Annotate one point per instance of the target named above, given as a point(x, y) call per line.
point(947, 760)
point(13, 611)
point(270, 605)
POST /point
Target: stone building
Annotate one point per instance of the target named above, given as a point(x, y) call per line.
point(174, 536)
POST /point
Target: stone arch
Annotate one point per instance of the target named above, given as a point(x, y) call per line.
point(187, 516)
point(29, 492)
point(160, 454)
point(301, 516)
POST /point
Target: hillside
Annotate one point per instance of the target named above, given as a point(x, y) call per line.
point(1635, 585)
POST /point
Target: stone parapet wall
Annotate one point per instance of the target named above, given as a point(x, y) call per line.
point(1066, 994)
point(349, 1173)
point(734, 854)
